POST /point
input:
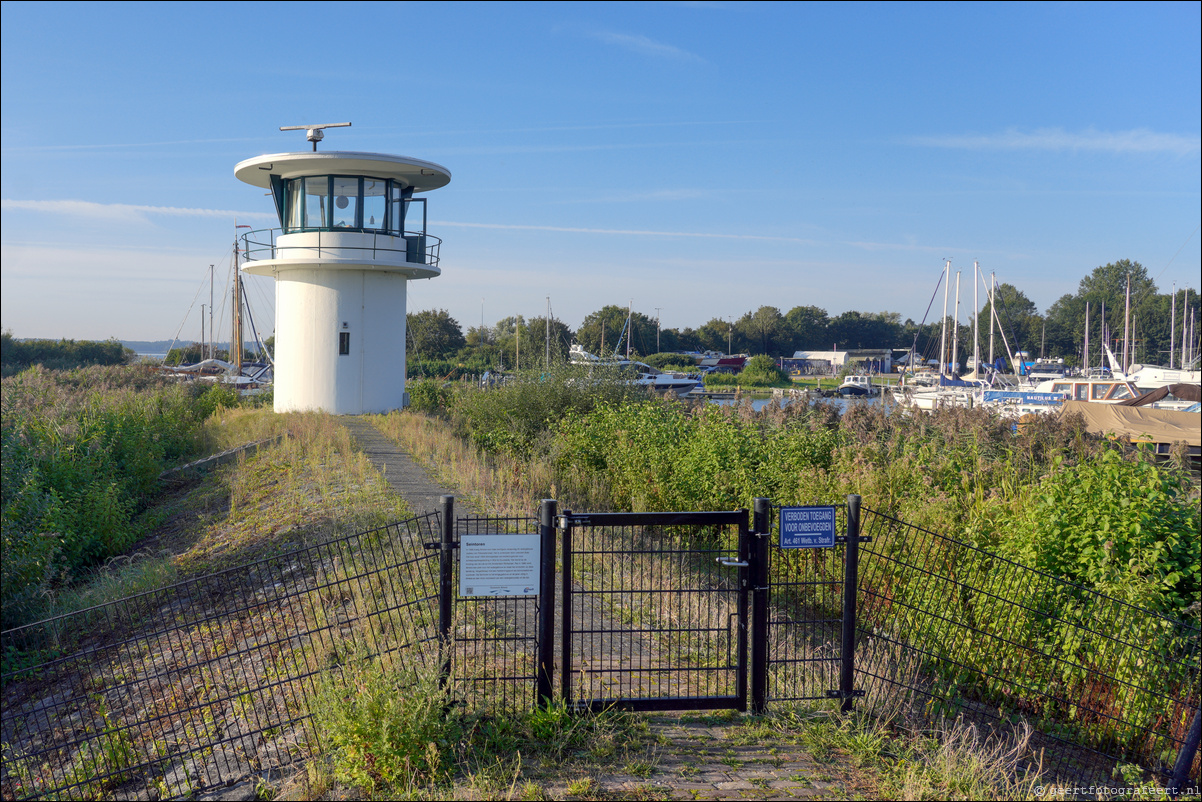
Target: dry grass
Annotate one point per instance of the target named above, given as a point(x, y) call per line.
point(197, 673)
point(311, 487)
point(502, 485)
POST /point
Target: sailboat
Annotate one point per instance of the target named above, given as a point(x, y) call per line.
point(247, 377)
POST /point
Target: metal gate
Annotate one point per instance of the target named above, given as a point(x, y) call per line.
point(655, 610)
point(804, 617)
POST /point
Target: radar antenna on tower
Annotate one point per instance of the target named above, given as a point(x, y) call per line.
point(315, 135)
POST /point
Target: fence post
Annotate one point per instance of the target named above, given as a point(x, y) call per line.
point(851, 581)
point(760, 530)
point(446, 586)
point(565, 605)
point(547, 514)
point(1185, 758)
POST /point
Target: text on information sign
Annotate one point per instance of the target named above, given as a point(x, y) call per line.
point(807, 527)
point(499, 565)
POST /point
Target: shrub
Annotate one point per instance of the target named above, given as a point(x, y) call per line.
point(1113, 524)
point(513, 419)
point(82, 454)
point(385, 732)
point(429, 396)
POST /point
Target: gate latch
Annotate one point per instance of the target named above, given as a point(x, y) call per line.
point(731, 563)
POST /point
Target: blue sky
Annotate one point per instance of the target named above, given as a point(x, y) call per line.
point(699, 158)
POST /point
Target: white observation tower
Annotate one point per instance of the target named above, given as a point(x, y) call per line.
point(351, 236)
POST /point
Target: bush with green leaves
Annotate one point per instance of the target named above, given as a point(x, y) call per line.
point(17, 355)
point(515, 418)
point(1126, 528)
point(385, 731)
point(430, 396)
point(82, 454)
point(659, 455)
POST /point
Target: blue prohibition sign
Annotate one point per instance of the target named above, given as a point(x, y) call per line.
point(807, 527)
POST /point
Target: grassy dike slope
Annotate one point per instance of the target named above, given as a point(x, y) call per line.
point(316, 484)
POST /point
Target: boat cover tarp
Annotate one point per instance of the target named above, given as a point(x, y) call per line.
point(1139, 423)
point(947, 381)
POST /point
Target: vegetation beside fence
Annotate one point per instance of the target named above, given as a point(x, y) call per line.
point(1051, 495)
point(82, 454)
point(1108, 528)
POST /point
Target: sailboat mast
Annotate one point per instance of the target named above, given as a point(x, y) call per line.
point(1127, 328)
point(976, 318)
point(629, 326)
point(947, 274)
point(1085, 360)
point(992, 313)
point(236, 338)
point(1184, 327)
point(212, 334)
point(956, 330)
point(547, 329)
point(1173, 326)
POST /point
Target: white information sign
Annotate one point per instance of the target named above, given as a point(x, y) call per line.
point(499, 565)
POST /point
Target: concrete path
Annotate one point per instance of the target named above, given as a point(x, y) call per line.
point(404, 475)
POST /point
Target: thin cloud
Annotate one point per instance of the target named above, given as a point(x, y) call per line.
point(561, 128)
point(121, 212)
point(623, 231)
point(1139, 140)
point(656, 196)
point(644, 46)
point(488, 150)
point(635, 232)
point(108, 145)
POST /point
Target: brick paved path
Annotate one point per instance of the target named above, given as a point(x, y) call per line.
point(695, 757)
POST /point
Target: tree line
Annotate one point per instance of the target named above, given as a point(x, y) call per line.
point(437, 343)
point(17, 355)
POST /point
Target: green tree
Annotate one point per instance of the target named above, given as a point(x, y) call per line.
point(1109, 283)
point(807, 327)
point(1018, 318)
point(432, 334)
point(860, 330)
point(764, 331)
point(188, 354)
point(1106, 287)
point(560, 340)
point(685, 339)
point(599, 332)
point(717, 335)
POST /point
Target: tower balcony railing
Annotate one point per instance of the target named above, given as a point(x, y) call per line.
point(417, 247)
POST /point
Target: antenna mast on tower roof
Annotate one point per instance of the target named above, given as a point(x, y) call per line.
point(315, 135)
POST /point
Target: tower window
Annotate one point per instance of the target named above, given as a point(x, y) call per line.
point(344, 343)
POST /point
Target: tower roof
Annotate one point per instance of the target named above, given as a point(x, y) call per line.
point(421, 175)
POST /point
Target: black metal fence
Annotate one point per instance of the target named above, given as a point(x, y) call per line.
point(207, 682)
point(204, 683)
point(952, 631)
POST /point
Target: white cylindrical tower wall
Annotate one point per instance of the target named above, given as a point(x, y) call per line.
point(322, 311)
